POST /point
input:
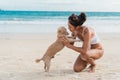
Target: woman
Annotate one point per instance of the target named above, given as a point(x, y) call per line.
point(91, 49)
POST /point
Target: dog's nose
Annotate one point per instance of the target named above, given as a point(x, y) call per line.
point(67, 33)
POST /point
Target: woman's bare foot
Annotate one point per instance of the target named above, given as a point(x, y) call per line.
point(92, 68)
point(93, 65)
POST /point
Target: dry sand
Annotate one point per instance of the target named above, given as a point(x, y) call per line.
point(18, 53)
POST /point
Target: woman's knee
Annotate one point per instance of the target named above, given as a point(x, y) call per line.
point(79, 64)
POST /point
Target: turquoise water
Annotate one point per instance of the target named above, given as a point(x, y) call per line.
point(48, 21)
point(38, 15)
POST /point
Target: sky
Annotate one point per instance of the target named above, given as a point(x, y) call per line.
point(61, 5)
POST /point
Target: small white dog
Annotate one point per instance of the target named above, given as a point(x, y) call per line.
point(55, 47)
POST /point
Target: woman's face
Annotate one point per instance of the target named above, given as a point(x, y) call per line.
point(71, 27)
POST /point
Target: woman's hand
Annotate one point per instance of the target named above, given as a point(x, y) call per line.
point(66, 42)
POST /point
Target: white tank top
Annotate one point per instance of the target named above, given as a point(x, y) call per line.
point(93, 40)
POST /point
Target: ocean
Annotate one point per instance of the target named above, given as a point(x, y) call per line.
point(49, 21)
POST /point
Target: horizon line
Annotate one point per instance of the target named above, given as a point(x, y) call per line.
point(54, 10)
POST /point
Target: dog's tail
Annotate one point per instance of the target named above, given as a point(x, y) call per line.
point(38, 60)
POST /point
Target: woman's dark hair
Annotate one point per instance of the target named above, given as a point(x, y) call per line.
point(76, 20)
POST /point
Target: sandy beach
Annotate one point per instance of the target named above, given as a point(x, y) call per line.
point(19, 51)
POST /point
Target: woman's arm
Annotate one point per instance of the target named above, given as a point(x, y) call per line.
point(78, 49)
point(86, 44)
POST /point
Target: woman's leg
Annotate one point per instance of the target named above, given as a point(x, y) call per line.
point(92, 63)
point(95, 53)
point(79, 64)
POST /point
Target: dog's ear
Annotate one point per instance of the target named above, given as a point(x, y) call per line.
point(59, 31)
point(62, 30)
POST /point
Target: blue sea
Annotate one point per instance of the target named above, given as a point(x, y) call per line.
point(49, 21)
